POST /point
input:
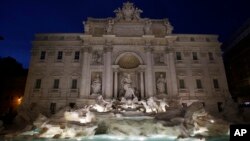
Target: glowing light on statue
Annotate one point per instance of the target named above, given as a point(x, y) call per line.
point(19, 100)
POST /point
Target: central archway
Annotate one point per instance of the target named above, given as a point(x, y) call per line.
point(128, 60)
point(129, 65)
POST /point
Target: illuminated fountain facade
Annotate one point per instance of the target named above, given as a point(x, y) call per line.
point(125, 57)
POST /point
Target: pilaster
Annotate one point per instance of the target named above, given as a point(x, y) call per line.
point(108, 71)
point(85, 76)
point(172, 70)
point(149, 71)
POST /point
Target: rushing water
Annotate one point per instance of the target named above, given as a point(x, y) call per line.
point(130, 125)
point(108, 127)
point(118, 138)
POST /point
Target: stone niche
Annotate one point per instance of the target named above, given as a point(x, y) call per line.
point(128, 61)
point(134, 77)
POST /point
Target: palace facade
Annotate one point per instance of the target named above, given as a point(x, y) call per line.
point(69, 69)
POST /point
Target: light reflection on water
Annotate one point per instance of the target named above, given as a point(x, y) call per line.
point(119, 138)
point(121, 121)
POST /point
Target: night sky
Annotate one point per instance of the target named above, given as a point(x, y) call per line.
point(21, 19)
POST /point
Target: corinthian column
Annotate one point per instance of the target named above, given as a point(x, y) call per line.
point(142, 84)
point(85, 72)
point(108, 71)
point(172, 70)
point(149, 72)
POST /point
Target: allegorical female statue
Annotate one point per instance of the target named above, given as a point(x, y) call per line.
point(161, 82)
point(96, 85)
point(147, 28)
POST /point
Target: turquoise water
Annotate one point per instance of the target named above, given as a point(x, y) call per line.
point(117, 138)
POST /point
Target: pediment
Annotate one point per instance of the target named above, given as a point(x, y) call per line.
point(56, 73)
point(75, 74)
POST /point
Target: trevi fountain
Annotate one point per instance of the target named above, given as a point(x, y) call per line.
point(127, 118)
point(138, 81)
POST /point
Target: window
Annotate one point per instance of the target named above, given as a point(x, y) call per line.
point(195, 56)
point(182, 84)
point(56, 84)
point(59, 55)
point(42, 56)
point(220, 106)
point(72, 105)
point(178, 56)
point(210, 56)
point(184, 105)
point(74, 84)
point(216, 83)
point(38, 84)
point(52, 108)
point(77, 55)
point(203, 103)
point(198, 84)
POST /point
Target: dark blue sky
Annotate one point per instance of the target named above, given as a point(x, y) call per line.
point(21, 19)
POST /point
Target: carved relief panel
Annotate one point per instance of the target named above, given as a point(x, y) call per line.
point(159, 59)
point(97, 58)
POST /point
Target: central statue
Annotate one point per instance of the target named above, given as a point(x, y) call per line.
point(126, 83)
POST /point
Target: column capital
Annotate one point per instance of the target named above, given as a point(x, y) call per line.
point(169, 49)
point(86, 49)
point(171, 39)
point(142, 67)
point(148, 49)
point(108, 48)
point(115, 68)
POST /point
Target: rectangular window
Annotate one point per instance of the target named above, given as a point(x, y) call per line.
point(52, 108)
point(198, 84)
point(216, 83)
point(210, 56)
point(195, 56)
point(182, 84)
point(42, 55)
point(77, 55)
point(59, 55)
point(74, 84)
point(56, 84)
point(72, 105)
point(178, 56)
point(38, 84)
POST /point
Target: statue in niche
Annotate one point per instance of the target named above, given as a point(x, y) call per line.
point(147, 27)
point(126, 83)
point(109, 27)
point(96, 85)
point(161, 82)
point(86, 28)
point(96, 58)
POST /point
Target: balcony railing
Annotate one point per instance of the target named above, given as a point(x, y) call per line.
point(74, 93)
point(54, 91)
